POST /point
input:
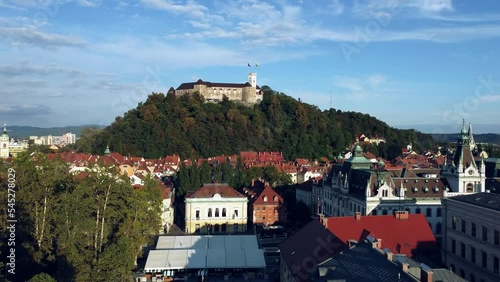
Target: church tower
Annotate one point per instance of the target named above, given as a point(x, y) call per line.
point(463, 173)
point(4, 143)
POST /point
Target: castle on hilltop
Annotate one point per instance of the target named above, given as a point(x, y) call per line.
point(247, 93)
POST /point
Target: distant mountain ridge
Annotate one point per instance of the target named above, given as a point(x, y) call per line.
point(26, 131)
point(477, 128)
point(490, 138)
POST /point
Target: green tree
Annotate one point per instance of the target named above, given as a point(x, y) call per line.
point(42, 277)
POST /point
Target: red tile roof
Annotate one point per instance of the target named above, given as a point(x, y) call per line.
point(270, 194)
point(399, 235)
point(209, 190)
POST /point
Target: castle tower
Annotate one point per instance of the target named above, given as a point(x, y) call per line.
point(4, 143)
point(252, 79)
point(463, 174)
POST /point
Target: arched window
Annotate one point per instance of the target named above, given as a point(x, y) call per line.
point(462, 273)
point(374, 212)
point(217, 212)
point(265, 198)
point(452, 268)
point(418, 211)
point(210, 212)
point(384, 211)
point(223, 212)
point(276, 198)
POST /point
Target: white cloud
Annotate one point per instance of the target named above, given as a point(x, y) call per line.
point(25, 68)
point(33, 36)
point(190, 8)
point(489, 98)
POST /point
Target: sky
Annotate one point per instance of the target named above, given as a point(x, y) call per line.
point(411, 63)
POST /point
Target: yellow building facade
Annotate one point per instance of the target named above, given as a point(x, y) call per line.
point(216, 208)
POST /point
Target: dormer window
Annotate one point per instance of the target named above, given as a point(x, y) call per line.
point(265, 198)
point(276, 199)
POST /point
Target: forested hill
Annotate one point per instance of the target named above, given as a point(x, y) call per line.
point(166, 125)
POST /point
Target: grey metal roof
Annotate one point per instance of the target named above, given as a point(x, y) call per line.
point(485, 200)
point(361, 263)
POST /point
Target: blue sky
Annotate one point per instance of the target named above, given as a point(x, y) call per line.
point(409, 63)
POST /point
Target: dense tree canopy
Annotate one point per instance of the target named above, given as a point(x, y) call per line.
point(186, 125)
point(78, 229)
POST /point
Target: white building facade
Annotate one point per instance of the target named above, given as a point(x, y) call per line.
point(4, 143)
point(216, 208)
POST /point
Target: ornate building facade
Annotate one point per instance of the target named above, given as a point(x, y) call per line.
point(216, 208)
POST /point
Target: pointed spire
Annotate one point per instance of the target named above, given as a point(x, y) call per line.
point(471, 138)
point(107, 152)
point(464, 131)
point(4, 128)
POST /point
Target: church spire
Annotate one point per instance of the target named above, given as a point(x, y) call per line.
point(464, 131)
point(471, 138)
point(4, 128)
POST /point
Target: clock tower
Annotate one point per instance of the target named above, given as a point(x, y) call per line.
point(463, 172)
point(4, 143)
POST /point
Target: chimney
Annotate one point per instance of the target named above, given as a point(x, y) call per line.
point(404, 267)
point(425, 273)
point(379, 243)
point(253, 182)
point(401, 215)
point(388, 254)
point(357, 216)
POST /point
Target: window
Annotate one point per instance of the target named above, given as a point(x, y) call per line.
point(472, 278)
point(496, 237)
point(438, 212)
point(276, 199)
point(265, 198)
point(462, 225)
point(210, 212)
point(438, 228)
point(453, 250)
point(462, 273)
point(473, 229)
point(472, 254)
point(384, 211)
point(484, 233)
point(428, 212)
point(217, 212)
point(197, 214)
point(263, 218)
point(235, 214)
point(484, 261)
point(495, 265)
point(374, 212)
point(418, 211)
point(453, 222)
point(223, 212)
point(236, 227)
point(197, 228)
point(275, 210)
point(462, 250)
